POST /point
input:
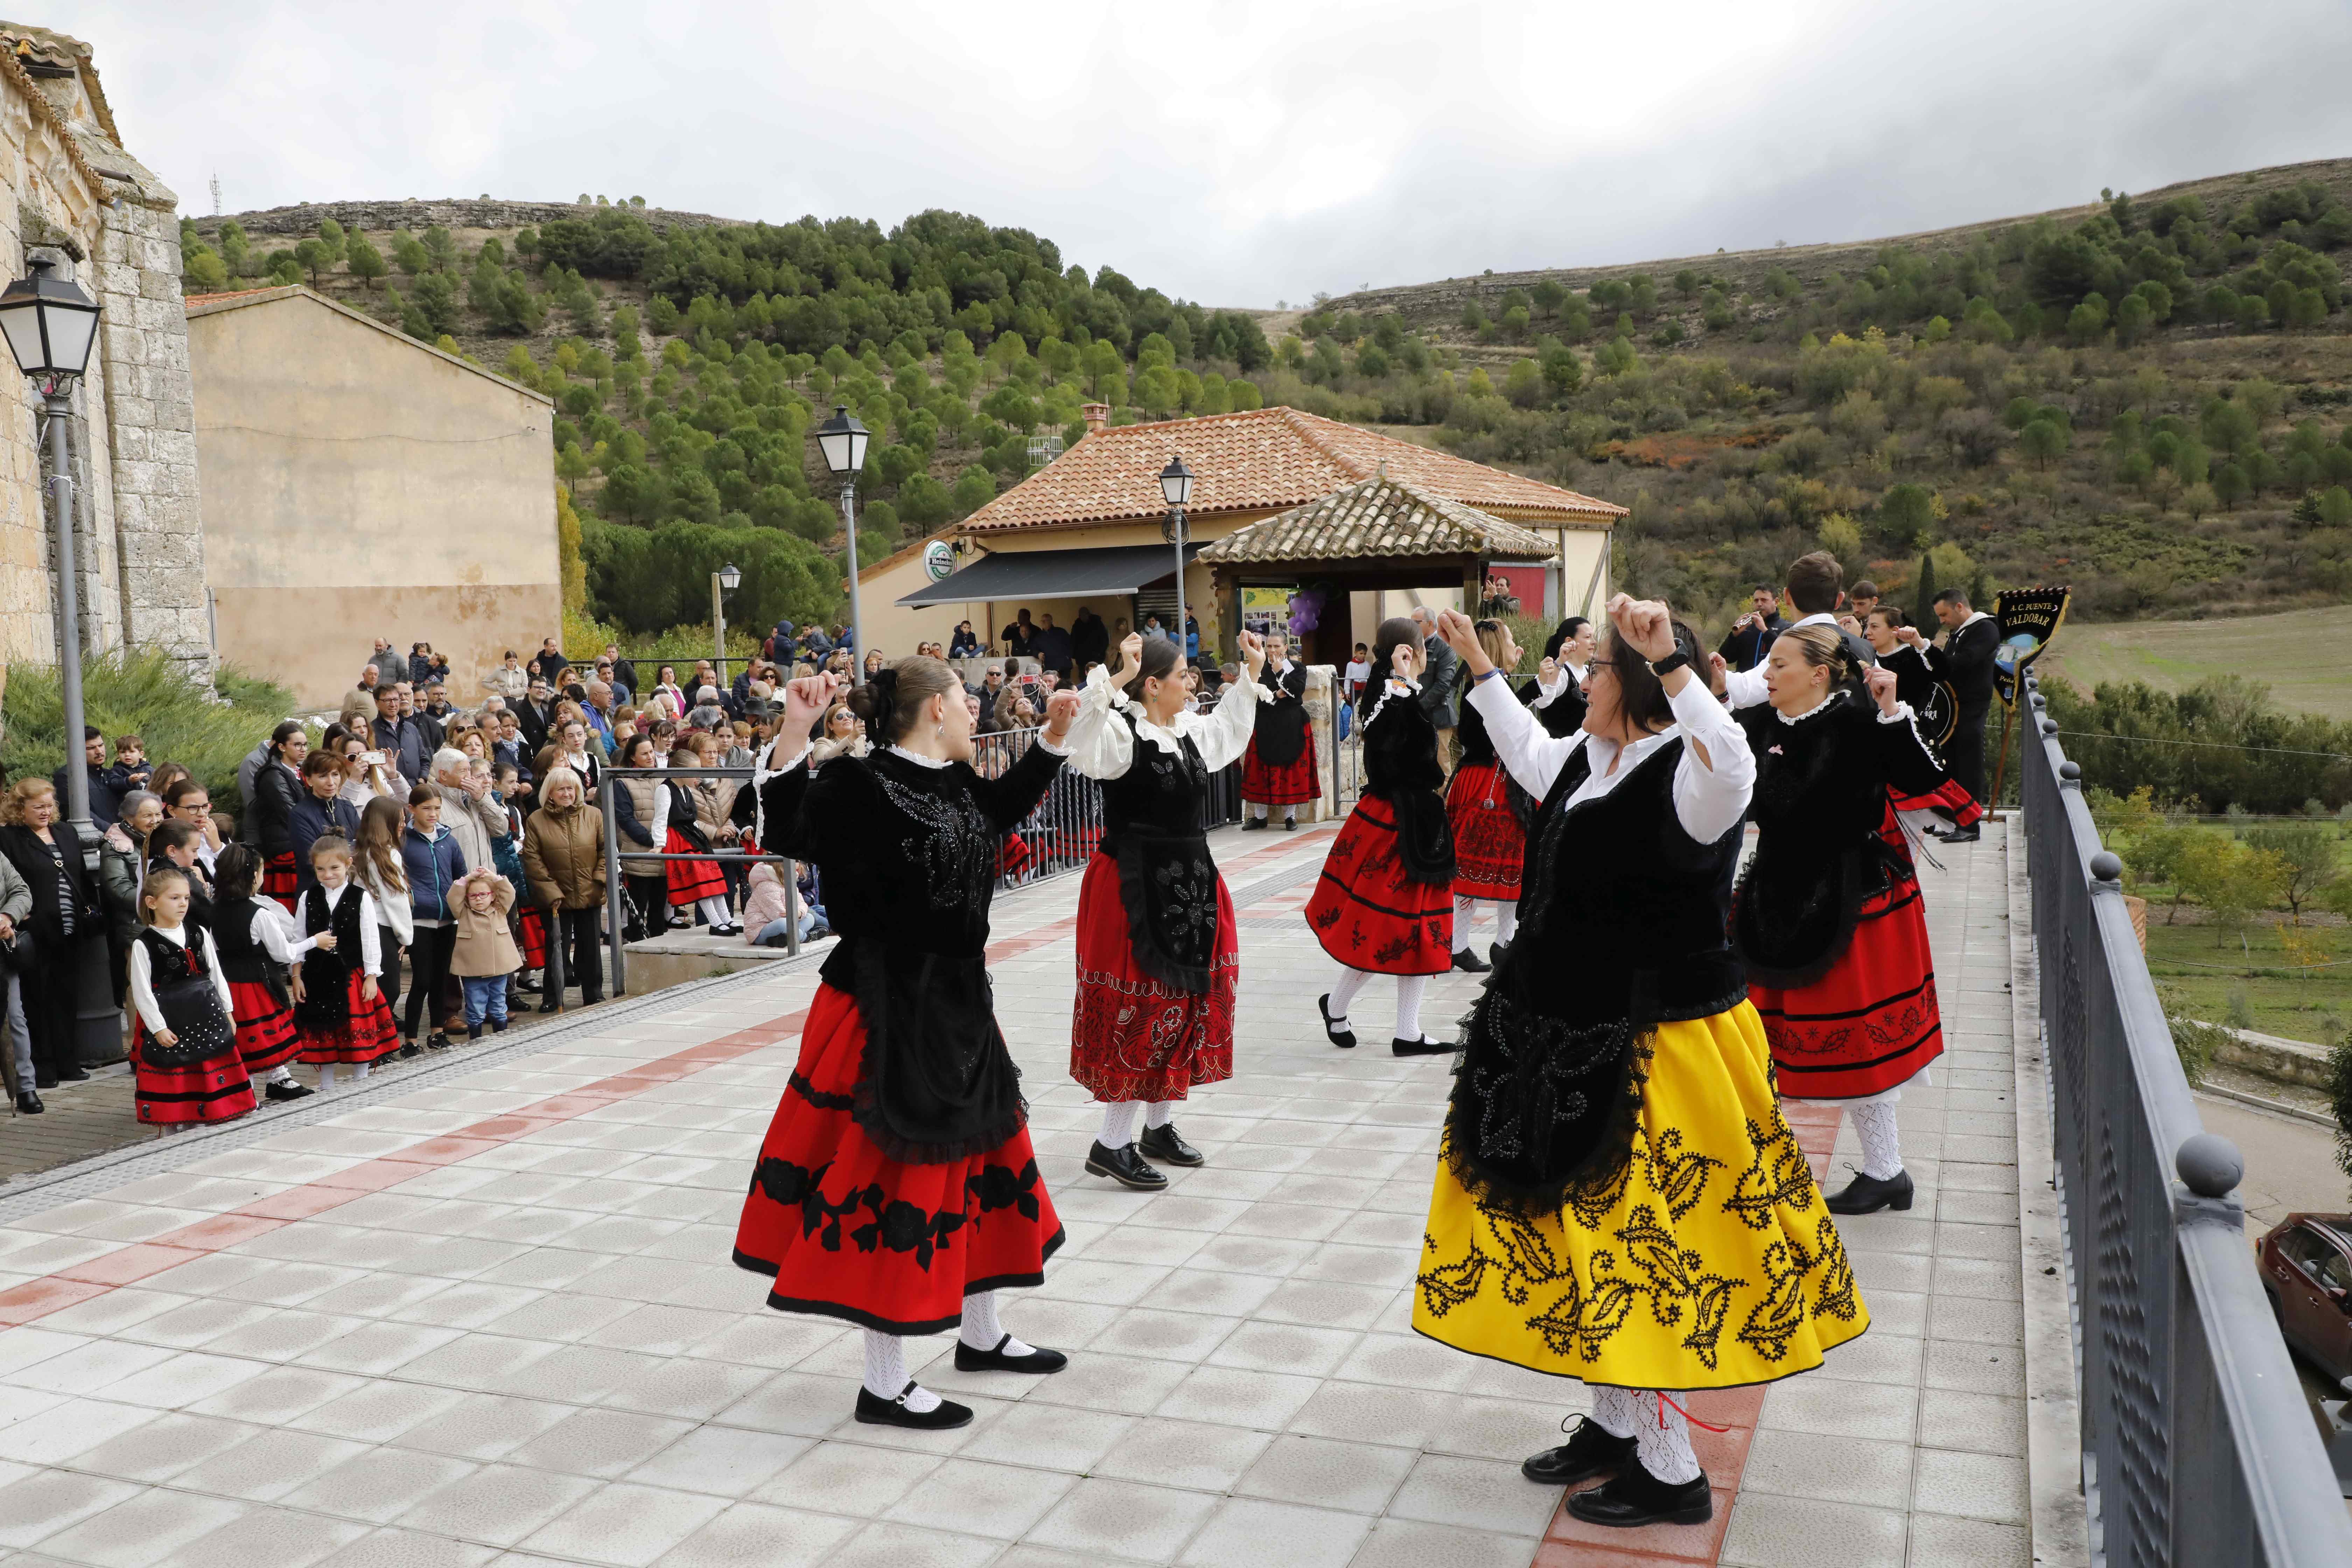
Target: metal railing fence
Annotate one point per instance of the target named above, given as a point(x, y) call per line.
point(2197, 1445)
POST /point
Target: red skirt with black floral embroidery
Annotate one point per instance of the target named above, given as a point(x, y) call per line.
point(1489, 845)
point(846, 1232)
point(264, 1026)
point(1368, 913)
point(1871, 1022)
point(1295, 781)
point(1133, 1037)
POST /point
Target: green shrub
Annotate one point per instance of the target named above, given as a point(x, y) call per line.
point(2197, 1043)
point(151, 695)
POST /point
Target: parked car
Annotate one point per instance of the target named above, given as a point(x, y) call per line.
point(2305, 1262)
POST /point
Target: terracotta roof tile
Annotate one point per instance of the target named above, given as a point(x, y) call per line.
point(1379, 517)
point(1267, 457)
point(193, 300)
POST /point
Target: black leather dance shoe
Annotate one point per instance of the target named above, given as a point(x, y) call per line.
point(28, 1103)
point(1163, 1144)
point(1343, 1038)
point(1424, 1046)
point(971, 1359)
point(1633, 1498)
point(1961, 834)
point(1868, 1194)
point(877, 1411)
point(1124, 1167)
point(1470, 962)
point(1495, 953)
point(1594, 1450)
point(1253, 824)
point(286, 1090)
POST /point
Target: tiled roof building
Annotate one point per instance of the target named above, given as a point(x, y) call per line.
point(1379, 518)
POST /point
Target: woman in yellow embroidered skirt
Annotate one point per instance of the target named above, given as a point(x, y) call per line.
point(1619, 1199)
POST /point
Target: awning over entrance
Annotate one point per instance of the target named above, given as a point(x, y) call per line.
point(1052, 575)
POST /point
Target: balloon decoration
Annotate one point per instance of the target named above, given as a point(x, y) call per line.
point(1306, 611)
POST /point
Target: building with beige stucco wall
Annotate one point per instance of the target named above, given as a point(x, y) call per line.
point(359, 484)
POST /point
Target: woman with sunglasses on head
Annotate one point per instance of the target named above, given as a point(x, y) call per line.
point(1157, 956)
point(1829, 919)
point(1617, 1197)
point(1384, 902)
point(897, 1188)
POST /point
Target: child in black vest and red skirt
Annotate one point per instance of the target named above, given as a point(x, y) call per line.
point(256, 947)
point(338, 1008)
point(182, 1046)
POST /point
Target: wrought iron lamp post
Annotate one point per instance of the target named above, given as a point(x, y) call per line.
point(51, 325)
point(842, 440)
point(1176, 486)
point(727, 579)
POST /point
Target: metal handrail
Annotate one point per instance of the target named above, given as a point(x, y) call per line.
point(2198, 1444)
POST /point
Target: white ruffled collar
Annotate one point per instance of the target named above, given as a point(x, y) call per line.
point(918, 758)
point(1799, 718)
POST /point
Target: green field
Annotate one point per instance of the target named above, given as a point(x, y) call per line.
point(2206, 973)
point(2300, 653)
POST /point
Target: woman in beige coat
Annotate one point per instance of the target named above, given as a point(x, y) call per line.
point(563, 856)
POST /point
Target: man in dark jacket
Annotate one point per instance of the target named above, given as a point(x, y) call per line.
point(403, 742)
point(1437, 682)
point(1052, 648)
point(1089, 638)
point(105, 800)
point(552, 662)
point(1751, 638)
point(1816, 587)
point(535, 714)
point(1971, 639)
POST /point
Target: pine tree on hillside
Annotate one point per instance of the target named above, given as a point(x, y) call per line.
point(1924, 617)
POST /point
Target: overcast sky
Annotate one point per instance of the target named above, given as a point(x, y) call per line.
point(1239, 153)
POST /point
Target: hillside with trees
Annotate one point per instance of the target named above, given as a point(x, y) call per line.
point(687, 360)
point(2147, 396)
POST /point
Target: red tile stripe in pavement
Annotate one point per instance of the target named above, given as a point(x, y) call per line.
point(1571, 1544)
point(130, 1265)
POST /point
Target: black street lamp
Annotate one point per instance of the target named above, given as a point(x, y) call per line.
point(51, 325)
point(1176, 487)
point(727, 579)
point(843, 439)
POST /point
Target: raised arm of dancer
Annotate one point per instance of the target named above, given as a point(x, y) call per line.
point(780, 777)
point(1912, 765)
point(1224, 735)
point(1717, 772)
point(1531, 756)
point(1100, 744)
point(1007, 800)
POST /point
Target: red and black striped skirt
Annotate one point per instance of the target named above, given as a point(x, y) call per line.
point(1368, 913)
point(266, 1036)
point(278, 880)
point(368, 1034)
point(1950, 801)
point(691, 879)
point(1489, 845)
point(210, 1091)
point(530, 926)
point(1293, 784)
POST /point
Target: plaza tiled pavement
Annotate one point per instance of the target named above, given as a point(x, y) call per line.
point(490, 1317)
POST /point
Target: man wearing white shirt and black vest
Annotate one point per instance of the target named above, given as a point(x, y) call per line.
point(1556, 693)
point(1966, 660)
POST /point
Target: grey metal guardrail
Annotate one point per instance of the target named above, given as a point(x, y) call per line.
point(2197, 1445)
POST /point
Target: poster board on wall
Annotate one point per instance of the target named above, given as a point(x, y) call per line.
point(1267, 609)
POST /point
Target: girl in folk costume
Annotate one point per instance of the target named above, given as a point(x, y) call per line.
point(1279, 768)
point(255, 940)
point(382, 874)
point(183, 1046)
point(338, 1008)
point(1827, 918)
point(683, 825)
point(1617, 1197)
point(1383, 905)
point(897, 1188)
point(1157, 957)
point(1898, 648)
point(1489, 839)
point(276, 788)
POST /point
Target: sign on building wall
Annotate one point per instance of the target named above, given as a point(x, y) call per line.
point(939, 560)
point(1266, 610)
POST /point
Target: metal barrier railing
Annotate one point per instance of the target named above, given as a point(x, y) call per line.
point(2198, 1444)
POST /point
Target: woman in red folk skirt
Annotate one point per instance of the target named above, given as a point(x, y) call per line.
point(256, 944)
point(1490, 839)
point(897, 1188)
point(1828, 918)
point(277, 789)
point(1280, 767)
point(1918, 686)
point(696, 884)
point(339, 1009)
point(1383, 905)
point(180, 1006)
point(1157, 957)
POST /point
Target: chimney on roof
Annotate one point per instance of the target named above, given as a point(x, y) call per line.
point(1096, 415)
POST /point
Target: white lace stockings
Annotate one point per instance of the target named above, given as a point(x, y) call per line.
point(1881, 1146)
point(1662, 1444)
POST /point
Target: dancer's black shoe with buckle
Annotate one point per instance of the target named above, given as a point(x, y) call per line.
point(1124, 1167)
point(879, 1412)
point(1343, 1038)
point(1423, 1046)
point(1034, 1361)
point(1592, 1450)
point(1868, 1194)
point(1470, 962)
point(1633, 1498)
point(1162, 1144)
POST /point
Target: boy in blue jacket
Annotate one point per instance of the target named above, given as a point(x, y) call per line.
point(430, 854)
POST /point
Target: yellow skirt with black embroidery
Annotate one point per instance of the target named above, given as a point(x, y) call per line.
point(1709, 1264)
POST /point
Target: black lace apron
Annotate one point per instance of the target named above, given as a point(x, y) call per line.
point(1155, 829)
